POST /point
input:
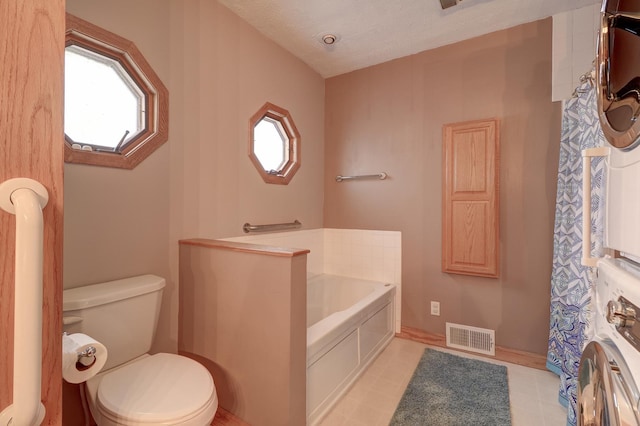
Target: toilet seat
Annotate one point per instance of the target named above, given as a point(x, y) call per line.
point(161, 389)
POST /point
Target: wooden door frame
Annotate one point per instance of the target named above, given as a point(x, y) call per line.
point(31, 135)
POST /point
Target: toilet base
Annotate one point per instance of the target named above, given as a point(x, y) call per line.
point(103, 417)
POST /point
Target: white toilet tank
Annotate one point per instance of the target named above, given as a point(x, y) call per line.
point(121, 314)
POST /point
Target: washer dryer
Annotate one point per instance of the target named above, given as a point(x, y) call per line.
point(609, 371)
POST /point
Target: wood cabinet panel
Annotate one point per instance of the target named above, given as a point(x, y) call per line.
point(468, 246)
point(470, 205)
point(469, 156)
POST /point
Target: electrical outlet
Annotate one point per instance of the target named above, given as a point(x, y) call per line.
point(435, 308)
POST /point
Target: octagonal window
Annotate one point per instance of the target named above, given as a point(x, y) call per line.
point(116, 107)
point(270, 144)
point(104, 108)
point(274, 145)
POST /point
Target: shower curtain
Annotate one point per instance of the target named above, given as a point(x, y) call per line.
point(571, 283)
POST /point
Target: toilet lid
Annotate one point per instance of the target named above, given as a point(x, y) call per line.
point(161, 387)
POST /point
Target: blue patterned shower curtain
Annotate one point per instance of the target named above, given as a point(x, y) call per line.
point(571, 283)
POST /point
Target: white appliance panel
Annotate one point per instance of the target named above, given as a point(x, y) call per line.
point(622, 229)
point(617, 278)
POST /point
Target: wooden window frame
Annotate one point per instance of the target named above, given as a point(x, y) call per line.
point(289, 169)
point(125, 52)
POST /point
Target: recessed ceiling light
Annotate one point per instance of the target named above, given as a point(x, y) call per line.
point(329, 39)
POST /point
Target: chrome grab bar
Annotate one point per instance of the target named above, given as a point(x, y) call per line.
point(380, 176)
point(247, 227)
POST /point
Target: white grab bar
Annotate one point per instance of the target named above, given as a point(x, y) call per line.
point(26, 198)
point(587, 259)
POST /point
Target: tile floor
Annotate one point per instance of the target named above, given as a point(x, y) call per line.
point(373, 398)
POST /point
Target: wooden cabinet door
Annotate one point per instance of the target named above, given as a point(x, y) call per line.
point(470, 204)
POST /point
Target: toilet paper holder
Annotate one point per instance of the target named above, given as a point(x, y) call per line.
point(86, 358)
point(88, 352)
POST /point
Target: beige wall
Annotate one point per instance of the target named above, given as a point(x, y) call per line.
point(219, 72)
point(243, 315)
point(116, 221)
point(222, 72)
point(389, 118)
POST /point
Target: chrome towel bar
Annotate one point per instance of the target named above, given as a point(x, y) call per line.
point(247, 227)
point(380, 176)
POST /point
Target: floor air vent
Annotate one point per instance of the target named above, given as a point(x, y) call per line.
point(472, 339)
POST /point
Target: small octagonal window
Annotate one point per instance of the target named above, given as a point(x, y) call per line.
point(116, 107)
point(270, 144)
point(274, 144)
point(104, 107)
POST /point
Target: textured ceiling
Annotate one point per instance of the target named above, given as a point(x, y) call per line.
point(375, 31)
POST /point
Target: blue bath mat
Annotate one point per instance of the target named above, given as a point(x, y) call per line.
point(449, 390)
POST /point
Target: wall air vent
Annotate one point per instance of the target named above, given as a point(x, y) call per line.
point(448, 3)
point(471, 339)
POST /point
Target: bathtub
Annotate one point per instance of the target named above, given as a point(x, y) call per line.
point(349, 322)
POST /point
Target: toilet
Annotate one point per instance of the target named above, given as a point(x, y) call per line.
point(134, 387)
